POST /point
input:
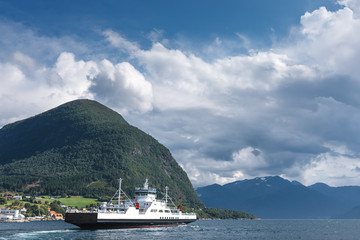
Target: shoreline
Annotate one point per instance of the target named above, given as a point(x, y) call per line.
point(29, 220)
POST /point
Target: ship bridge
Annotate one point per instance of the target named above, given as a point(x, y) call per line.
point(145, 193)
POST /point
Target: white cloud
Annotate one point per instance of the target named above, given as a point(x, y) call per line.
point(120, 85)
point(24, 60)
point(207, 170)
point(28, 88)
point(330, 40)
point(249, 158)
point(75, 75)
point(17, 38)
point(245, 41)
point(123, 87)
point(175, 77)
point(183, 81)
point(354, 5)
point(156, 35)
point(332, 168)
point(286, 101)
point(120, 42)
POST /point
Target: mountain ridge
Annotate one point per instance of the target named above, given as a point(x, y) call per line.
point(275, 197)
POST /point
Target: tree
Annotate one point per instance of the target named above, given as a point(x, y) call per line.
point(55, 207)
point(16, 203)
point(3, 201)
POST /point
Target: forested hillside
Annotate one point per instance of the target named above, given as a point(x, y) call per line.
point(82, 148)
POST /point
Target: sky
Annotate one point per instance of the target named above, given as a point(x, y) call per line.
point(235, 89)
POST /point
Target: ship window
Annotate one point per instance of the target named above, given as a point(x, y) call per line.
point(167, 211)
point(160, 210)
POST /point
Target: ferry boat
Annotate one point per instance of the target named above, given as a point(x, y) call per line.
point(143, 211)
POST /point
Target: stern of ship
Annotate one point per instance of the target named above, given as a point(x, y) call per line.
point(83, 220)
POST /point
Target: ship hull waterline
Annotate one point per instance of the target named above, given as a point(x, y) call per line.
point(90, 221)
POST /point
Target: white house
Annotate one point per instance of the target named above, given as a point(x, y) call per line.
point(11, 215)
point(17, 198)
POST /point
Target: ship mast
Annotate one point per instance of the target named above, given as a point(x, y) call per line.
point(120, 180)
point(166, 194)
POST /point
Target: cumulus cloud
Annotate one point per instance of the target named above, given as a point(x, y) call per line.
point(330, 40)
point(28, 88)
point(187, 81)
point(333, 168)
point(123, 87)
point(287, 103)
point(229, 102)
point(244, 162)
point(75, 75)
point(120, 85)
point(354, 5)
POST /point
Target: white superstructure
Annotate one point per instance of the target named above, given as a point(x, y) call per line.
point(144, 206)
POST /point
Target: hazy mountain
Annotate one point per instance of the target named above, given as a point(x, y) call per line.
point(83, 147)
point(275, 197)
point(353, 213)
point(348, 195)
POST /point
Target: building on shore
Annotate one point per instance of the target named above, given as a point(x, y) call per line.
point(7, 215)
point(57, 216)
point(17, 198)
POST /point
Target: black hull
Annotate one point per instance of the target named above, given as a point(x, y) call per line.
point(90, 221)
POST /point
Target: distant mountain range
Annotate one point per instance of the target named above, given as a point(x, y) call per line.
point(275, 197)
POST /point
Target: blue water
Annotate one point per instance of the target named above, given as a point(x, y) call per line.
point(202, 229)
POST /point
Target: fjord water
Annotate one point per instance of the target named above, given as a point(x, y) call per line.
point(202, 229)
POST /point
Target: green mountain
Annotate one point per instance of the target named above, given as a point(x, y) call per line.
point(83, 148)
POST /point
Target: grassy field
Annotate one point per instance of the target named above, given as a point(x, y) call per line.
point(74, 201)
point(77, 201)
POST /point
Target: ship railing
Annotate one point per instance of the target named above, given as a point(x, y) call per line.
point(189, 214)
point(145, 189)
point(113, 211)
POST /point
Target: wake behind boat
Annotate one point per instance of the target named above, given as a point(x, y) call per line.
point(143, 211)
